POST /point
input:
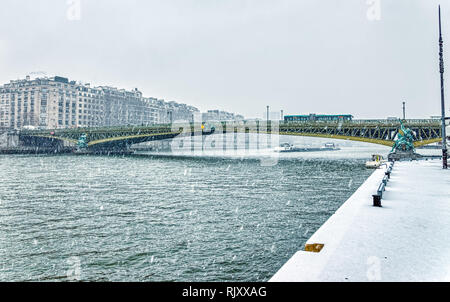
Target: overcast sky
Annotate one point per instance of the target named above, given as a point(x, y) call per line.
point(301, 56)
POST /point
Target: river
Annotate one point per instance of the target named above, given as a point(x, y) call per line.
point(167, 218)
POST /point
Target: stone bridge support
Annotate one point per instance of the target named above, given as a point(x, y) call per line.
point(9, 140)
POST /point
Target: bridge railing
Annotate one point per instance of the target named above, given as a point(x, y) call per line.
point(367, 121)
point(99, 129)
point(382, 187)
point(357, 122)
point(388, 122)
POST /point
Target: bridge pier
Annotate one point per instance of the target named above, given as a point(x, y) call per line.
point(9, 140)
point(235, 139)
point(224, 139)
point(247, 141)
point(13, 142)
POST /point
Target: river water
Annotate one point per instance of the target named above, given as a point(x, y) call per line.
point(167, 218)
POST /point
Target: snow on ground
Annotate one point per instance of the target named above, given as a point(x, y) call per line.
point(407, 239)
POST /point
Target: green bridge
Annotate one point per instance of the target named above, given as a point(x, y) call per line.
point(381, 132)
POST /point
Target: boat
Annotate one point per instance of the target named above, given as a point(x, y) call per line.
point(376, 162)
point(287, 147)
point(330, 147)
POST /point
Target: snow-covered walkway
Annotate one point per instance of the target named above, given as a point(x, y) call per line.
point(407, 239)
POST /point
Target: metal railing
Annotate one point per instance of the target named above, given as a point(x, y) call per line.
point(366, 121)
point(382, 187)
point(390, 121)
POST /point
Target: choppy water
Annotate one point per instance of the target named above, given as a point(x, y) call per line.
point(163, 218)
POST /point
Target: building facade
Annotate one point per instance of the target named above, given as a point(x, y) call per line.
point(52, 103)
point(46, 103)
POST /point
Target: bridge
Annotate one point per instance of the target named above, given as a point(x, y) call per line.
point(381, 132)
point(107, 138)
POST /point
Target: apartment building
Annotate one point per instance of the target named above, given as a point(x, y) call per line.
point(48, 103)
point(51, 103)
point(90, 108)
point(56, 102)
point(169, 112)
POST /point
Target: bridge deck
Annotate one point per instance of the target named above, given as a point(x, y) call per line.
point(370, 131)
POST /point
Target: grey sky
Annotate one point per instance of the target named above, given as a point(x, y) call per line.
point(239, 55)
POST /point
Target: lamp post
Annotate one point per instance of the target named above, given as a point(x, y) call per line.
point(269, 133)
point(404, 115)
point(441, 70)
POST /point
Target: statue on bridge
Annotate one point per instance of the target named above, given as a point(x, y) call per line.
point(403, 147)
point(405, 140)
point(82, 142)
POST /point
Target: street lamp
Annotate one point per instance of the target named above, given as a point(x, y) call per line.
point(404, 115)
point(441, 70)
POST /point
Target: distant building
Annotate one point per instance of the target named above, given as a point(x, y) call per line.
point(122, 107)
point(180, 112)
point(91, 107)
point(220, 116)
point(317, 117)
point(169, 112)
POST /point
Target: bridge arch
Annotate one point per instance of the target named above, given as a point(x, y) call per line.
point(374, 132)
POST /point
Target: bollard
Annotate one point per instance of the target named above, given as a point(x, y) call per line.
point(315, 247)
point(376, 200)
point(388, 174)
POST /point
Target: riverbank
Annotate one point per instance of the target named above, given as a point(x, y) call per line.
point(34, 151)
point(404, 240)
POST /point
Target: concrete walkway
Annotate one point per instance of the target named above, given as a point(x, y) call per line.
point(407, 239)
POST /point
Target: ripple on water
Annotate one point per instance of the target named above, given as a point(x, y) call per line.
point(162, 219)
